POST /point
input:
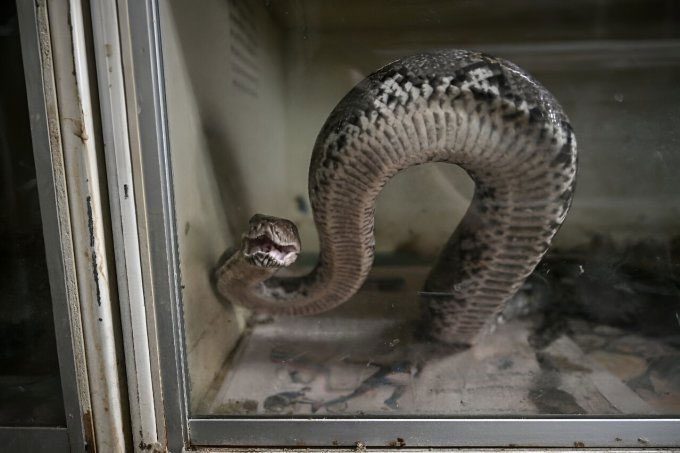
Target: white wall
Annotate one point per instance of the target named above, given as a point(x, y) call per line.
point(224, 94)
point(624, 107)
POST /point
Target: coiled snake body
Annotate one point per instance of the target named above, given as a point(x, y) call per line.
point(465, 108)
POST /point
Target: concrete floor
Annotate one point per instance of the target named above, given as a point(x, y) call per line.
point(363, 359)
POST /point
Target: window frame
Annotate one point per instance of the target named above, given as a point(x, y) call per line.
point(187, 432)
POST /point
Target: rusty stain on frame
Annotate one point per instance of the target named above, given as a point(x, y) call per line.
point(91, 233)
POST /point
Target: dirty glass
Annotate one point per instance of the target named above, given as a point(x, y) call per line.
point(30, 388)
point(595, 329)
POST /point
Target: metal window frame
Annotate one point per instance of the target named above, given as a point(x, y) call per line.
point(185, 432)
point(140, 31)
point(35, 439)
point(51, 179)
point(123, 209)
point(438, 432)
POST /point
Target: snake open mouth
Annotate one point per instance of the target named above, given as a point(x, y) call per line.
point(263, 251)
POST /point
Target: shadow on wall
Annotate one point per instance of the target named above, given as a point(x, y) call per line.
point(198, 38)
point(223, 158)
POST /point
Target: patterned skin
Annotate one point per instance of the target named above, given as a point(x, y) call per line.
point(465, 108)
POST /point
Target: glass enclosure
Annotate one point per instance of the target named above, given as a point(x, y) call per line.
point(595, 330)
point(30, 386)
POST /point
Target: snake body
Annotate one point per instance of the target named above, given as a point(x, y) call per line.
point(479, 112)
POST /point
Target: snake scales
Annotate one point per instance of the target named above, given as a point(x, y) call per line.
point(466, 108)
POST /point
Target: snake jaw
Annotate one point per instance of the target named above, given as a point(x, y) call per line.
point(270, 242)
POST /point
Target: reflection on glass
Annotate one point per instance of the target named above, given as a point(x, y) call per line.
point(30, 389)
point(595, 330)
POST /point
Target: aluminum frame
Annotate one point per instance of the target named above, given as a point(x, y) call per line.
point(143, 25)
point(82, 149)
point(35, 439)
point(437, 432)
point(185, 432)
point(113, 108)
point(41, 93)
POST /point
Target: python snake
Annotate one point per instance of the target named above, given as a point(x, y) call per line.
point(466, 108)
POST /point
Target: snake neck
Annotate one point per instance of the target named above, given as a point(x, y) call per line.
point(236, 271)
point(258, 288)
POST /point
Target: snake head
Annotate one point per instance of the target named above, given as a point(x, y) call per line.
point(270, 242)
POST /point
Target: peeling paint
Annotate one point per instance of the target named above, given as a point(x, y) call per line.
point(153, 447)
point(82, 158)
point(398, 443)
point(88, 431)
point(119, 177)
point(81, 132)
point(90, 227)
point(82, 405)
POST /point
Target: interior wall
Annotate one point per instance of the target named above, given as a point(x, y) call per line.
point(623, 107)
point(224, 112)
point(233, 62)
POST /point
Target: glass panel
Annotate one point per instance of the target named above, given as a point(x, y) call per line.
point(594, 329)
point(30, 388)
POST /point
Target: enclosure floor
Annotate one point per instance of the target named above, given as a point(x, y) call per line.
point(365, 359)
